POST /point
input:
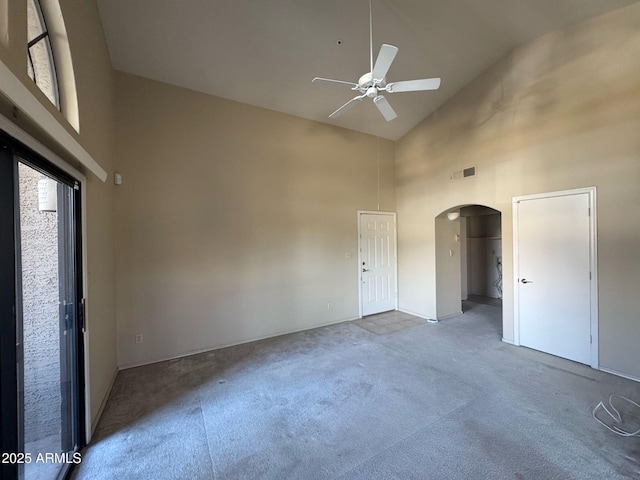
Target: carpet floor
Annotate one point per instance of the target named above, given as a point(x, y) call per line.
point(371, 401)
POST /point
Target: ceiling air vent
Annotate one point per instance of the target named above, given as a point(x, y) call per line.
point(462, 174)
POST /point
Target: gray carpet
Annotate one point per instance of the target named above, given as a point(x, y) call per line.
point(428, 401)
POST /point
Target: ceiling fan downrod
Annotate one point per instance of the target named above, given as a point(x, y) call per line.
point(372, 83)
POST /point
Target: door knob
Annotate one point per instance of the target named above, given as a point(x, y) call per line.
point(365, 270)
point(524, 280)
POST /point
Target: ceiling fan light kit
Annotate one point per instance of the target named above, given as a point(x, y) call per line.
point(373, 83)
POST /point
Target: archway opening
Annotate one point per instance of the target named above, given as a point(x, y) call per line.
point(469, 262)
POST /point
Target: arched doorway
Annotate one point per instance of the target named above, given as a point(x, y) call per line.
point(468, 243)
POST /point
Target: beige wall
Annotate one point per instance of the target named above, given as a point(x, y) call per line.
point(562, 112)
point(96, 101)
point(233, 221)
point(448, 269)
point(94, 81)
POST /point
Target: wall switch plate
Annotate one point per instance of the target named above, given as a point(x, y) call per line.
point(138, 338)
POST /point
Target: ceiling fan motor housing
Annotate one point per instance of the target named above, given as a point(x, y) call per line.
point(365, 83)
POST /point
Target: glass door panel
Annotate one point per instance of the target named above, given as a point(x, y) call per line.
point(46, 324)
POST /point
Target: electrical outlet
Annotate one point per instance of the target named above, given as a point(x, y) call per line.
point(329, 306)
point(138, 338)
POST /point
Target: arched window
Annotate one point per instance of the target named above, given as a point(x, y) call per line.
point(49, 57)
point(41, 67)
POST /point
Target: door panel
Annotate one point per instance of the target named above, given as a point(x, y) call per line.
point(41, 412)
point(47, 321)
point(8, 347)
point(378, 263)
point(554, 275)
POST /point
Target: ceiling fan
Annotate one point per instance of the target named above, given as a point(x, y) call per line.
point(371, 84)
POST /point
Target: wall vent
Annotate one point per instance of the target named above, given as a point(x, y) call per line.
point(462, 174)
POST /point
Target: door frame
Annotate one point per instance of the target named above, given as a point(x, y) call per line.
point(395, 255)
point(593, 262)
point(21, 136)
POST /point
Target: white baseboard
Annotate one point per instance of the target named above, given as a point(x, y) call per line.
point(453, 315)
point(510, 342)
point(232, 344)
point(619, 374)
point(415, 314)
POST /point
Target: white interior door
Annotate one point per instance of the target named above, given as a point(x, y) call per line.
point(377, 262)
point(553, 262)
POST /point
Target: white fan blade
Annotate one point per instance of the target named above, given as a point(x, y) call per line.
point(414, 85)
point(384, 60)
point(346, 106)
point(385, 108)
point(331, 81)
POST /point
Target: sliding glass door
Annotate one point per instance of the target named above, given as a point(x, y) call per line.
point(40, 361)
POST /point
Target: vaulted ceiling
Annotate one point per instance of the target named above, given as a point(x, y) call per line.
point(266, 52)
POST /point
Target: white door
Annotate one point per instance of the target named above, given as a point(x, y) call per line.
point(377, 262)
point(553, 275)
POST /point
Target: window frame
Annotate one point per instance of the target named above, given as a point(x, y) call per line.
point(44, 37)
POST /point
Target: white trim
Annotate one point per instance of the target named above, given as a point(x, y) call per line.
point(85, 291)
point(516, 274)
point(593, 254)
point(16, 132)
point(419, 315)
point(560, 193)
point(593, 258)
point(88, 428)
point(395, 254)
point(506, 340)
point(619, 374)
point(19, 95)
point(126, 366)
